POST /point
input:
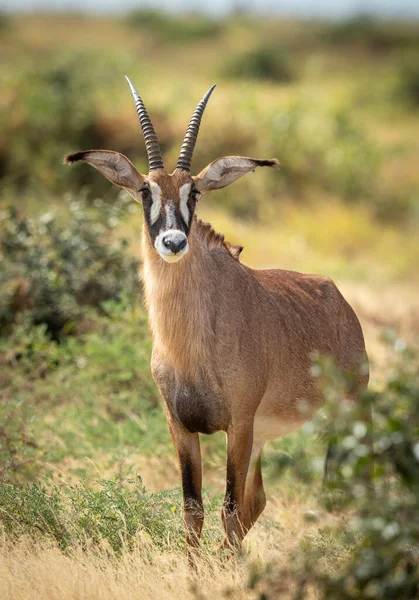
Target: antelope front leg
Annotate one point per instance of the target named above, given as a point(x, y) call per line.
point(189, 456)
point(239, 449)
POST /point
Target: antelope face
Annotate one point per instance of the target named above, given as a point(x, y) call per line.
point(168, 200)
point(168, 205)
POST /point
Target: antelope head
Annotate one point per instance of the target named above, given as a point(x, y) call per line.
point(168, 200)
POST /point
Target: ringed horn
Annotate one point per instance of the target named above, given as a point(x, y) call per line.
point(185, 157)
point(154, 155)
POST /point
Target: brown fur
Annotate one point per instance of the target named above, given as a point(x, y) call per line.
point(231, 343)
point(232, 346)
point(209, 305)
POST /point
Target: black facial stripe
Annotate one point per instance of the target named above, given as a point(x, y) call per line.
point(153, 228)
point(191, 208)
point(169, 218)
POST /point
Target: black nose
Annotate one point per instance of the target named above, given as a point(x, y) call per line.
point(175, 243)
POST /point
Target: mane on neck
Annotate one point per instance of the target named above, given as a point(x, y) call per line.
point(215, 241)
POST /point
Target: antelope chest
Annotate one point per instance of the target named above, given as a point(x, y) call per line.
point(198, 405)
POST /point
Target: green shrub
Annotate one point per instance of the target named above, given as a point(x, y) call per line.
point(174, 29)
point(369, 32)
point(262, 63)
point(407, 86)
point(121, 513)
point(5, 22)
point(384, 565)
point(51, 112)
point(53, 269)
point(88, 396)
point(326, 149)
point(19, 449)
point(27, 357)
point(383, 523)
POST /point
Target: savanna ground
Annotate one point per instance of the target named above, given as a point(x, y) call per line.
point(90, 505)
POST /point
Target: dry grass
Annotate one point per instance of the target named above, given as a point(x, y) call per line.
point(33, 571)
point(374, 264)
point(30, 571)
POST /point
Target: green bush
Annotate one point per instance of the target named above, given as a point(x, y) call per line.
point(88, 395)
point(384, 565)
point(262, 63)
point(5, 22)
point(52, 269)
point(51, 112)
point(27, 357)
point(408, 80)
point(326, 149)
point(383, 527)
point(121, 513)
point(19, 449)
point(371, 33)
point(174, 29)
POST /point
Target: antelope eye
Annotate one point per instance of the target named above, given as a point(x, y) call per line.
point(194, 192)
point(145, 190)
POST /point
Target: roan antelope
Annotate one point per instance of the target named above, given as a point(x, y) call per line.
point(232, 345)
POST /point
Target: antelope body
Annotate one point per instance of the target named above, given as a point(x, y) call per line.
point(232, 346)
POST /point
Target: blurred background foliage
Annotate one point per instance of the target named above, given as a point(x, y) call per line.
point(345, 137)
point(375, 488)
point(338, 104)
point(53, 268)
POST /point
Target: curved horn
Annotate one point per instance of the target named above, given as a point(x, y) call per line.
point(155, 158)
point(185, 156)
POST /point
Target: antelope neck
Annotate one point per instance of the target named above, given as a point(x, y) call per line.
point(180, 304)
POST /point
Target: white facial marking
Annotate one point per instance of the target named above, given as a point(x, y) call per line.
point(184, 197)
point(170, 215)
point(156, 205)
point(172, 258)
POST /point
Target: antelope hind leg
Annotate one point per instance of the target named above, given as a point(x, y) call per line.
point(254, 494)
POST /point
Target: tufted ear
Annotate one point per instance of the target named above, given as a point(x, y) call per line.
point(114, 166)
point(226, 170)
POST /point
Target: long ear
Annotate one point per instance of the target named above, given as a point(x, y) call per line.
point(114, 166)
point(226, 170)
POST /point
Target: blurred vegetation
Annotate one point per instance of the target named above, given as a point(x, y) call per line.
point(52, 268)
point(5, 21)
point(346, 136)
point(327, 150)
point(263, 63)
point(369, 548)
point(382, 533)
point(372, 33)
point(53, 110)
point(91, 392)
point(336, 103)
point(120, 512)
point(173, 28)
point(408, 79)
